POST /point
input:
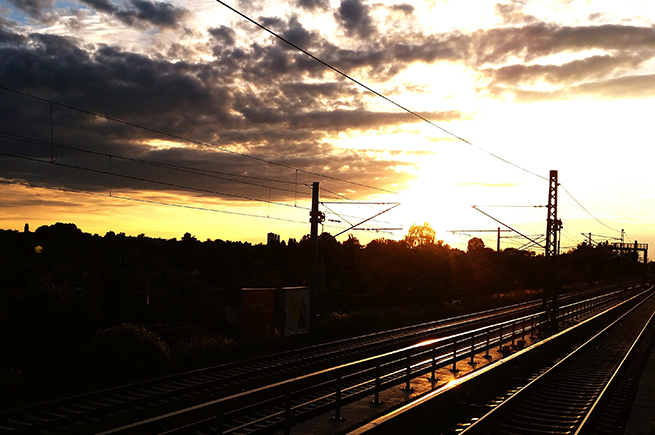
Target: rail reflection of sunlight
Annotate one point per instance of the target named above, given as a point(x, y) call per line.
point(452, 383)
point(426, 342)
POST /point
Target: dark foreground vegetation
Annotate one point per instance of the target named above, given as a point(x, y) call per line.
point(80, 311)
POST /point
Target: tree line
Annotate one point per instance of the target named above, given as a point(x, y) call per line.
point(60, 286)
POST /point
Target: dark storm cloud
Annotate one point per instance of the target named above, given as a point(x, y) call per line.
point(253, 97)
point(158, 14)
point(625, 48)
point(298, 35)
point(197, 101)
point(8, 34)
point(355, 17)
point(102, 5)
point(378, 60)
point(223, 35)
point(111, 81)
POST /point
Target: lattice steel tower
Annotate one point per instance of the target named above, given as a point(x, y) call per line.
point(553, 226)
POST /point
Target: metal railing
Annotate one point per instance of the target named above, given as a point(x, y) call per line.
point(332, 387)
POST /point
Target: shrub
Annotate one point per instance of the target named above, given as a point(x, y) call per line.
point(127, 350)
point(203, 349)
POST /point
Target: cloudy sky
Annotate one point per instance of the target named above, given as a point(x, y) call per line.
point(151, 117)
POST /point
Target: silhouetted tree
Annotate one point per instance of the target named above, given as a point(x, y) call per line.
point(419, 236)
point(53, 301)
point(475, 244)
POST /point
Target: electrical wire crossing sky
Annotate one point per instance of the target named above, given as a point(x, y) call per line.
point(215, 117)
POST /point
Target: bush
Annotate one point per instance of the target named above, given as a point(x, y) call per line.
point(127, 351)
point(203, 349)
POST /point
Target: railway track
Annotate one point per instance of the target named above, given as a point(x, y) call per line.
point(123, 406)
point(580, 381)
point(576, 395)
point(166, 394)
point(277, 406)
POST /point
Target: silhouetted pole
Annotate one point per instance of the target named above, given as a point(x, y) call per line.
point(498, 263)
point(646, 264)
point(636, 261)
point(553, 225)
point(315, 218)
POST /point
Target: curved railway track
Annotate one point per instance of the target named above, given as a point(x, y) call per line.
point(582, 380)
point(189, 388)
point(119, 407)
point(575, 396)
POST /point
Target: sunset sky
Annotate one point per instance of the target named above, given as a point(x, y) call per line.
point(163, 118)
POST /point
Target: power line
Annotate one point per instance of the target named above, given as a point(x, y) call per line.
point(570, 236)
point(147, 180)
point(195, 142)
point(142, 179)
point(334, 212)
point(422, 118)
point(146, 201)
point(338, 195)
point(368, 88)
point(514, 206)
point(364, 221)
point(182, 138)
point(179, 168)
point(505, 225)
point(111, 173)
point(588, 212)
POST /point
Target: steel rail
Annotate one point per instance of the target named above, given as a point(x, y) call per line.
point(31, 418)
point(408, 362)
point(168, 389)
point(503, 378)
point(590, 419)
point(579, 401)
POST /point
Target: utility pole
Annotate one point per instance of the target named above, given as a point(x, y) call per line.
point(498, 262)
point(315, 217)
point(553, 225)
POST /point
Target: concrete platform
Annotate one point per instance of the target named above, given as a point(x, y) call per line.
point(354, 415)
point(362, 411)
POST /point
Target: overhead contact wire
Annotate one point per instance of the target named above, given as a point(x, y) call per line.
point(148, 201)
point(588, 212)
point(373, 91)
point(179, 168)
point(195, 142)
point(163, 183)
